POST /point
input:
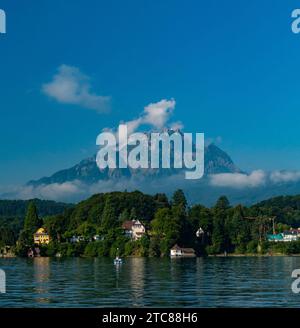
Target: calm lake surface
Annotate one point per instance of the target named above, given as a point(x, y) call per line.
point(139, 282)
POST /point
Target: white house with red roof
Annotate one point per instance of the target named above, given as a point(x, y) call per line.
point(134, 229)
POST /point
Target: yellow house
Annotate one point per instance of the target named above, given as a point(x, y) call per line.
point(41, 237)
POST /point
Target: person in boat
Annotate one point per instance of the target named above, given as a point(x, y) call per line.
point(118, 260)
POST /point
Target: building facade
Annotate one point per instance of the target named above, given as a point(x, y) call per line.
point(134, 229)
point(41, 237)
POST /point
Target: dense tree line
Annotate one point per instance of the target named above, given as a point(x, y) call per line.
point(221, 229)
point(12, 215)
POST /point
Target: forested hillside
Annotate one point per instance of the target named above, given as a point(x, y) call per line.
point(286, 209)
point(223, 228)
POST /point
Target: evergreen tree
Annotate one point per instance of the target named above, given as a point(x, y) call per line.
point(222, 203)
point(219, 237)
point(154, 247)
point(24, 242)
point(179, 199)
point(32, 221)
point(201, 217)
point(238, 229)
point(183, 226)
point(161, 200)
point(166, 228)
point(109, 218)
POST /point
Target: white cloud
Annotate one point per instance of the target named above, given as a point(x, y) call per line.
point(65, 191)
point(74, 191)
point(157, 115)
point(238, 180)
point(71, 86)
point(285, 176)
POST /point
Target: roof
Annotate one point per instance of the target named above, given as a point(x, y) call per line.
point(41, 231)
point(127, 225)
point(275, 237)
point(291, 232)
point(188, 250)
point(176, 247)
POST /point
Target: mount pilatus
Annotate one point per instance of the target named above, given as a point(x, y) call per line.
point(87, 171)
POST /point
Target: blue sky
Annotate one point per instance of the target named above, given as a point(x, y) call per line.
point(232, 67)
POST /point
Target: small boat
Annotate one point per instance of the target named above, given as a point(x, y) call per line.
point(118, 260)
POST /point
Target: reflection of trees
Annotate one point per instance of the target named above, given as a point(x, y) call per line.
point(41, 278)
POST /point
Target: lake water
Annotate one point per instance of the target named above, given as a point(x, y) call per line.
point(140, 282)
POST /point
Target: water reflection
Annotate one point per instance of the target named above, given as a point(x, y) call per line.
point(41, 279)
point(139, 282)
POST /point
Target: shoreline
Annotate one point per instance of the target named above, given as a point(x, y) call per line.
point(255, 255)
point(177, 257)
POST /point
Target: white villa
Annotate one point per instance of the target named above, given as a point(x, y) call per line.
point(134, 229)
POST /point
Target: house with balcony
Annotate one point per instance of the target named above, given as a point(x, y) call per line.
point(134, 229)
point(41, 237)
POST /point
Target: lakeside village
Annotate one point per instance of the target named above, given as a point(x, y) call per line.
point(134, 224)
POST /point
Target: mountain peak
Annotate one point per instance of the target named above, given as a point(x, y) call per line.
point(216, 161)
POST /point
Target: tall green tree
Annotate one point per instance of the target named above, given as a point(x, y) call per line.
point(178, 199)
point(219, 236)
point(109, 217)
point(166, 228)
point(238, 229)
point(222, 203)
point(161, 200)
point(201, 216)
point(32, 221)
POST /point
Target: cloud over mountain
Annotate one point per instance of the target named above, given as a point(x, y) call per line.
point(239, 180)
point(156, 115)
point(285, 176)
point(71, 86)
